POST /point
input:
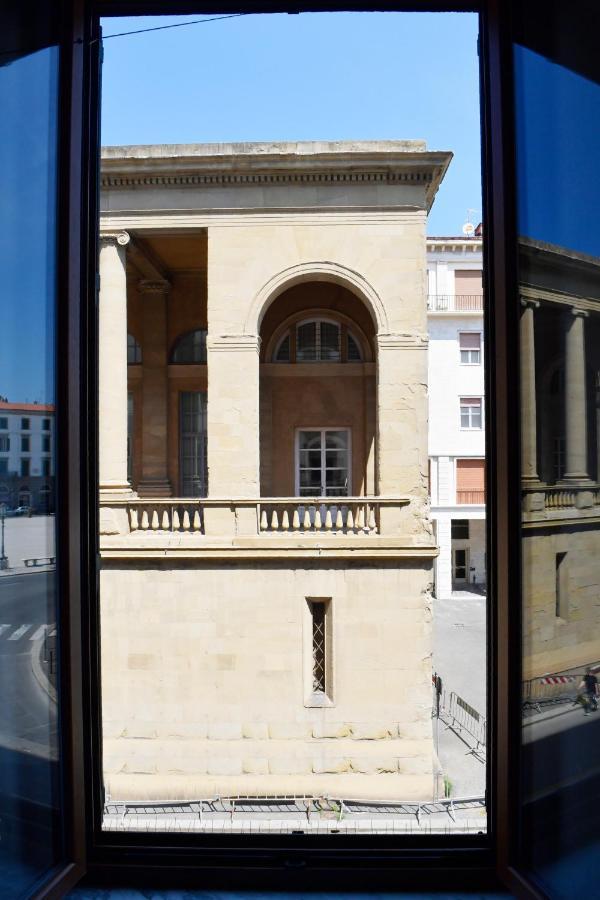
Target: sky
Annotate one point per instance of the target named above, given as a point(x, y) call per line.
point(325, 76)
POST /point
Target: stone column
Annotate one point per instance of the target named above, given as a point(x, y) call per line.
point(154, 480)
point(233, 430)
point(576, 398)
point(112, 308)
point(402, 431)
point(529, 471)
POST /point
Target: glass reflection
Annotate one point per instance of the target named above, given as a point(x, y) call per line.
point(29, 821)
point(558, 142)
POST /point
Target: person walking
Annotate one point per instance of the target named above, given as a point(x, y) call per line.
point(589, 691)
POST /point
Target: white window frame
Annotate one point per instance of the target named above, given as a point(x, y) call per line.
point(478, 352)
point(297, 458)
point(462, 405)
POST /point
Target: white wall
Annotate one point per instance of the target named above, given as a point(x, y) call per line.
point(35, 434)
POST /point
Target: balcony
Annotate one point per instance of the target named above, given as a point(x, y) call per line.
point(558, 503)
point(266, 526)
point(455, 303)
point(470, 497)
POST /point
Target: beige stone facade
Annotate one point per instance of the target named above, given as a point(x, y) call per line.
point(266, 544)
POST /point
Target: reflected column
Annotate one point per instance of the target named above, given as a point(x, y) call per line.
point(529, 472)
point(575, 398)
point(112, 321)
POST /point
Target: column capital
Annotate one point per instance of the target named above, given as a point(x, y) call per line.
point(233, 343)
point(153, 286)
point(529, 303)
point(112, 238)
point(579, 313)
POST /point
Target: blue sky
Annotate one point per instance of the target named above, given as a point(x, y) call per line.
point(327, 76)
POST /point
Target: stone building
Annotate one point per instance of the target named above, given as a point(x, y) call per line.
point(560, 384)
point(266, 545)
point(456, 411)
point(27, 455)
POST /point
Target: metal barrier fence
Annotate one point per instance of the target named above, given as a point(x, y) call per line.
point(459, 716)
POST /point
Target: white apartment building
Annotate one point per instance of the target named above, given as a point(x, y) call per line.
point(26, 459)
point(456, 411)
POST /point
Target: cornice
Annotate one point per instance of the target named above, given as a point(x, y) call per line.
point(233, 343)
point(142, 179)
point(402, 341)
point(574, 302)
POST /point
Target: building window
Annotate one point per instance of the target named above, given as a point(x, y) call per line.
point(25, 468)
point(193, 471)
point(470, 481)
point(470, 413)
point(45, 424)
point(25, 441)
point(559, 457)
point(134, 351)
point(190, 348)
point(562, 586)
point(25, 424)
point(318, 340)
point(45, 444)
point(24, 497)
point(4, 444)
point(3, 467)
point(320, 635)
point(470, 348)
point(130, 437)
point(3, 423)
point(323, 462)
point(46, 468)
point(459, 529)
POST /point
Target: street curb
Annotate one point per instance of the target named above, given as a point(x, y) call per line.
point(25, 570)
point(38, 672)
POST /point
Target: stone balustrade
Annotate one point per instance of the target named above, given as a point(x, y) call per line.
point(542, 501)
point(265, 516)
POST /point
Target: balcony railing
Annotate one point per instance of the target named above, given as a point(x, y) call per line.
point(544, 501)
point(470, 497)
point(455, 302)
point(272, 516)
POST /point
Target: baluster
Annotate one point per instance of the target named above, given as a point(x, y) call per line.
point(186, 519)
point(176, 522)
point(360, 518)
point(154, 519)
point(296, 520)
point(197, 523)
point(274, 520)
point(264, 525)
point(285, 520)
point(165, 520)
point(328, 520)
point(145, 522)
point(133, 519)
point(350, 520)
point(306, 520)
point(318, 519)
point(372, 519)
point(339, 521)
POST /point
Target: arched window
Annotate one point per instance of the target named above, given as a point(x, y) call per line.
point(190, 348)
point(318, 340)
point(134, 351)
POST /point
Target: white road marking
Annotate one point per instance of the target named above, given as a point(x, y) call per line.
point(38, 633)
point(19, 632)
point(3, 628)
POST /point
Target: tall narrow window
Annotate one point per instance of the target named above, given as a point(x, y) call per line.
point(320, 651)
point(562, 588)
point(192, 443)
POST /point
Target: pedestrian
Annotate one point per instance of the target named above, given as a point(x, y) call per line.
point(589, 690)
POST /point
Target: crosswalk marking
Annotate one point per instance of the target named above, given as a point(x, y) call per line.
point(19, 632)
point(38, 633)
point(3, 628)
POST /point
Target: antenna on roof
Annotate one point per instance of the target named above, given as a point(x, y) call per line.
point(468, 228)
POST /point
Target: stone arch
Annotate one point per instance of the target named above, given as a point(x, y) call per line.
point(316, 271)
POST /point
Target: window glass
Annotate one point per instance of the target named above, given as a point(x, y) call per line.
point(557, 107)
point(190, 349)
point(30, 809)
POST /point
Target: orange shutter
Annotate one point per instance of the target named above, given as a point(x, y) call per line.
point(468, 289)
point(470, 481)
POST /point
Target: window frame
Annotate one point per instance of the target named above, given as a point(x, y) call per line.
point(470, 406)
point(323, 467)
point(469, 350)
point(470, 863)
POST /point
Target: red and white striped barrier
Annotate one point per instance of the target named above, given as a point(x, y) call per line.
point(559, 679)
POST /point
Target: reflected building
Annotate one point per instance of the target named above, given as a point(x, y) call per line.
point(26, 455)
point(266, 544)
point(560, 399)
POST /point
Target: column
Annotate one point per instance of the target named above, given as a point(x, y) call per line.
point(233, 421)
point(529, 472)
point(402, 431)
point(154, 480)
point(575, 398)
point(112, 316)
